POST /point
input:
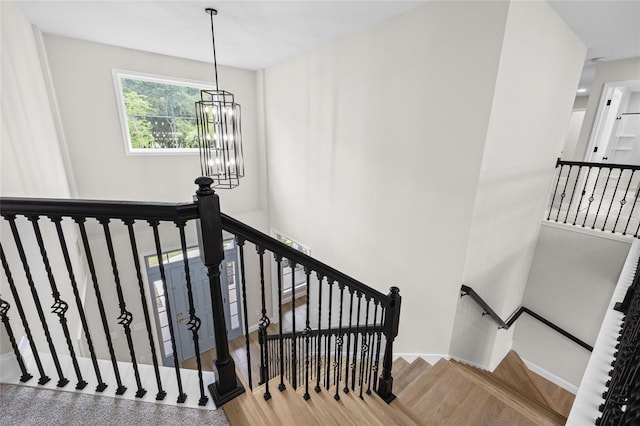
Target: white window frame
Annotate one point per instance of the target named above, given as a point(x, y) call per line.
point(118, 74)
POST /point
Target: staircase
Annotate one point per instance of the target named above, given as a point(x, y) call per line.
point(447, 393)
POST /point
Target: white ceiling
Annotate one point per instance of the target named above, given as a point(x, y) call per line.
point(259, 34)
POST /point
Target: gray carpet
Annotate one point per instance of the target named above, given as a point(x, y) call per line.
point(23, 405)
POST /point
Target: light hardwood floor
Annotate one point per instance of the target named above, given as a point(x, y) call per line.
point(448, 393)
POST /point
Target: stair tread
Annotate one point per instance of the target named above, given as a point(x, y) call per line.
point(421, 380)
point(561, 399)
point(528, 407)
point(513, 371)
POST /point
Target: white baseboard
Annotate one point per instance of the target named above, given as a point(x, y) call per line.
point(551, 377)
point(430, 358)
point(472, 364)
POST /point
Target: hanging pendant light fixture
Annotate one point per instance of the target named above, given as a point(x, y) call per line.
point(219, 132)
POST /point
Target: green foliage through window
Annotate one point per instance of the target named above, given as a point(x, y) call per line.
point(160, 115)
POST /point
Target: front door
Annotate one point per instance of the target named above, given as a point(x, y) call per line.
point(179, 301)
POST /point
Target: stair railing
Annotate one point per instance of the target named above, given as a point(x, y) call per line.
point(621, 404)
point(502, 324)
point(349, 309)
point(596, 196)
point(359, 314)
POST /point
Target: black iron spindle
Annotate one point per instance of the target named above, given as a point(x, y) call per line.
point(62, 381)
point(125, 317)
point(553, 199)
point(25, 324)
point(364, 351)
point(564, 192)
point(635, 200)
point(74, 285)
point(591, 197)
point(278, 259)
point(378, 344)
point(240, 241)
point(156, 237)
point(583, 192)
point(613, 197)
point(4, 309)
point(349, 332)
point(318, 341)
point(573, 192)
point(103, 316)
point(160, 395)
point(193, 325)
point(623, 201)
point(356, 335)
point(327, 343)
point(262, 330)
point(604, 190)
point(371, 343)
point(307, 336)
point(338, 357)
point(294, 348)
point(59, 306)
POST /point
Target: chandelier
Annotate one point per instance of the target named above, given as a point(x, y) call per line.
point(219, 131)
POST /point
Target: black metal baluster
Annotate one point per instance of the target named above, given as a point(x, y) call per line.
point(59, 306)
point(635, 200)
point(125, 317)
point(553, 199)
point(349, 332)
point(584, 190)
point(601, 199)
point(62, 380)
point(318, 341)
point(25, 324)
point(355, 343)
point(156, 237)
point(103, 316)
point(371, 343)
point(573, 192)
point(613, 196)
point(623, 201)
point(4, 308)
point(378, 344)
point(365, 345)
point(338, 357)
point(83, 319)
point(294, 348)
point(564, 192)
point(240, 241)
point(591, 197)
point(327, 343)
point(145, 310)
point(193, 325)
point(278, 259)
point(262, 331)
point(307, 336)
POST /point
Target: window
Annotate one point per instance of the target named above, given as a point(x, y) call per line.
point(157, 114)
point(300, 276)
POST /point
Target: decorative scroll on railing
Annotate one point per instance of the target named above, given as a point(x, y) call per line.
point(621, 406)
point(596, 196)
point(88, 255)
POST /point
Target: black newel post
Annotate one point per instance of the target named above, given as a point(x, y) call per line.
point(390, 330)
point(226, 386)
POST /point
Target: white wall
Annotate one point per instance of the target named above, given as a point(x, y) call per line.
point(539, 71)
point(31, 164)
point(606, 72)
point(83, 81)
point(369, 164)
point(572, 278)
